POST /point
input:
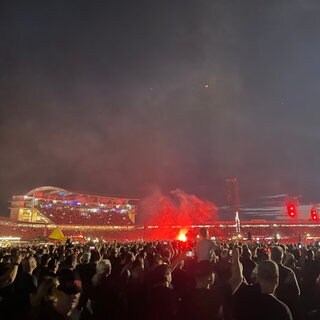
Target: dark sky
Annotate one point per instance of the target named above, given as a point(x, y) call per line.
point(110, 97)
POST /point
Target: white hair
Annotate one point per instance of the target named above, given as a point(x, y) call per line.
point(103, 266)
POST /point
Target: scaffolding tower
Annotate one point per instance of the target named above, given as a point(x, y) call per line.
point(233, 201)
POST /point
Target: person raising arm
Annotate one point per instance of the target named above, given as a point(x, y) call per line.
point(9, 276)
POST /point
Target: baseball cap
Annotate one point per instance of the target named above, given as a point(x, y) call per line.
point(69, 282)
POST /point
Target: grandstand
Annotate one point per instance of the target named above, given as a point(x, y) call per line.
point(55, 206)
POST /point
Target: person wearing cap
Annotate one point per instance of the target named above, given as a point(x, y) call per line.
point(206, 301)
point(68, 294)
point(43, 301)
point(162, 301)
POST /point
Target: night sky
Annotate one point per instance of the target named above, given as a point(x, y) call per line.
point(124, 97)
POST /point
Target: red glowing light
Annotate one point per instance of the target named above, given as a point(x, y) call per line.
point(291, 210)
point(314, 215)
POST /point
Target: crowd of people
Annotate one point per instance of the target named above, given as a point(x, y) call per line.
point(200, 279)
point(77, 217)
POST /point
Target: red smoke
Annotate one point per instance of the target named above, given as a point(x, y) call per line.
point(176, 209)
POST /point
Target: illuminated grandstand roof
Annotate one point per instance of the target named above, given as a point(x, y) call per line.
point(56, 192)
point(49, 190)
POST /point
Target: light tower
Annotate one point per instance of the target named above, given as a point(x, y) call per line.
point(314, 212)
point(292, 205)
point(233, 200)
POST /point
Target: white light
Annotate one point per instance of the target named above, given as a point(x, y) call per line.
point(10, 238)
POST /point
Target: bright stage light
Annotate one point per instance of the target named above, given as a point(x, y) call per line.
point(182, 235)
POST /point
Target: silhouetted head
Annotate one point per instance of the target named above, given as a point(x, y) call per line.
point(277, 254)
point(268, 276)
point(204, 232)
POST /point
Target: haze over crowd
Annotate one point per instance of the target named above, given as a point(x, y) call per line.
point(122, 97)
